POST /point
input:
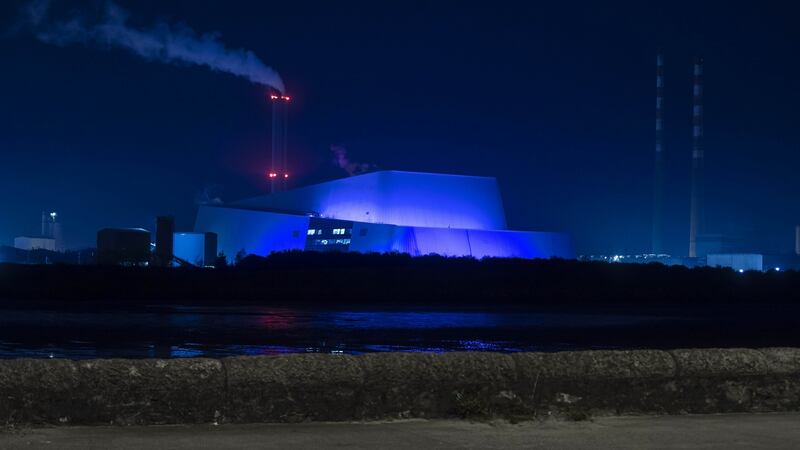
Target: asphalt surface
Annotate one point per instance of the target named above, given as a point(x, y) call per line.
point(772, 431)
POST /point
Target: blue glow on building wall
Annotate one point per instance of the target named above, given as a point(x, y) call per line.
point(390, 211)
point(190, 248)
point(397, 198)
point(252, 232)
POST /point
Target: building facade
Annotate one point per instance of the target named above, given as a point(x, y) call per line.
point(387, 211)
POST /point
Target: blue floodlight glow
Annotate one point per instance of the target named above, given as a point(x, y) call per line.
point(397, 198)
point(390, 211)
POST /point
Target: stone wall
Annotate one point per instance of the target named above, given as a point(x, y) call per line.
point(320, 387)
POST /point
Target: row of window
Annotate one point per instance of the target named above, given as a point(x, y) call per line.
point(336, 231)
point(331, 241)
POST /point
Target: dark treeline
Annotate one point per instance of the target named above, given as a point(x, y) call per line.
point(334, 279)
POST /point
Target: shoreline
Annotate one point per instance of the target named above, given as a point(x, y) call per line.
point(354, 280)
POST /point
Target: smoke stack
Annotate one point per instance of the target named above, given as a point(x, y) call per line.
point(45, 225)
point(658, 179)
point(797, 240)
point(279, 174)
point(696, 217)
point(165, 235)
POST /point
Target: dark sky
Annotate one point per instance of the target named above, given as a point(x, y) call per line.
point(555, 99)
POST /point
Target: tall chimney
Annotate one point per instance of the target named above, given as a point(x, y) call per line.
point(696, 216)
point(45, 224)
point(658, 179)
point(165, 241)
point(279, 174)
point(797, 240)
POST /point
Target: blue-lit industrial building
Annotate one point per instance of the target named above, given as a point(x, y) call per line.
point(386, 211)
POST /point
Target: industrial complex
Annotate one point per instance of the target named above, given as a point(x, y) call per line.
point(385, 211)
point(396, 211)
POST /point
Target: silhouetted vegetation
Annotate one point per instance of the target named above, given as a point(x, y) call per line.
point(335, 279)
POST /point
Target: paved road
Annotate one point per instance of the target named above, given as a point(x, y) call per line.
point(773, 431)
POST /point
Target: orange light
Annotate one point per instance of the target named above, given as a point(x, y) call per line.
point(286, 175)
point(273, 174)
point(286, 97)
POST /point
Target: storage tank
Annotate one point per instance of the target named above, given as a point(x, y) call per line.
point(123, 246)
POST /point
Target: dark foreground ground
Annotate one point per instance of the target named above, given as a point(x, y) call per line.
point(293, 279)
point(746, 431)
point(354, 303)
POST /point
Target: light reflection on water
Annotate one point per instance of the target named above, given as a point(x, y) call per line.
point(177, 332)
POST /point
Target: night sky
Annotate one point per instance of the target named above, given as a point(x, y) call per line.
point(555, 99)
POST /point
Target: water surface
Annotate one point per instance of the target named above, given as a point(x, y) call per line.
point(105, 331)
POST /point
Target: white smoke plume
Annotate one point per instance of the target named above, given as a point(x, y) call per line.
point(170, 44)
point(209, 195)
point(351, 167)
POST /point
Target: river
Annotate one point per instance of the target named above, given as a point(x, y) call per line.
point(173, 331)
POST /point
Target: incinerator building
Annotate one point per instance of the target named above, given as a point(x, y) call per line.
point(386, 211)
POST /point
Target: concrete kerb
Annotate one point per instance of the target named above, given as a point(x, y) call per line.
point(116, 391)
point(293, 388)
point(321, 387)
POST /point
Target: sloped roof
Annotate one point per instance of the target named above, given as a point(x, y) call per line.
point(396, 197)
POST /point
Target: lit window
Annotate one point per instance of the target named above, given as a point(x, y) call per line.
point(338, 231)
point(311, 232)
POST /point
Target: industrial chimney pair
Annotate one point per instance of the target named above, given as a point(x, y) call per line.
point(696, 220)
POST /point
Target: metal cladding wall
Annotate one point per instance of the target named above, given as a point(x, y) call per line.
point(369, 237)
point(390, 211)
point(254, 232)
point(190, 247)
point(442, 241)
point(261, 233)
point(520, 244)
point(199, 249)
point(398, 198)
point(736, 261)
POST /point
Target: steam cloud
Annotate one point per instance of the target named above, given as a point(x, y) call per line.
point(351, 167)
point(170, 44)
point(209, 195)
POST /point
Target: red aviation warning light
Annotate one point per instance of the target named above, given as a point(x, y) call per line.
point(274, 175)
point(278, 173)
point(285, 98)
